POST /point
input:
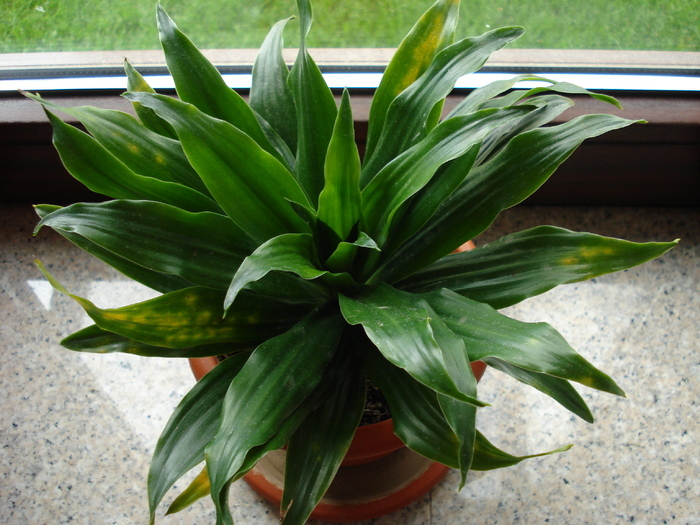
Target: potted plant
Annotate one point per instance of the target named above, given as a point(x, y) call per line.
point(274, 243)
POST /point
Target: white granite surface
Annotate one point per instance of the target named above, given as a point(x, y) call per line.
point(77, 430)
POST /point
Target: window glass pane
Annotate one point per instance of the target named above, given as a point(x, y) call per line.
point(76, 25)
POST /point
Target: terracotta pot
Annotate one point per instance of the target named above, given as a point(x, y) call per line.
point(378, 476)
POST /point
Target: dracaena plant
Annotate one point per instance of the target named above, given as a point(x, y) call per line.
point(274, 241)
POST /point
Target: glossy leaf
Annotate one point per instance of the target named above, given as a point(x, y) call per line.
point(558, 389)
point(399, 324)
point(340, 201)
point(100, 171)
point(548, 107)
point(198, 82)
point(319, 445)
point(484, 96)
point(533, 346)
point(286, 429)
point(461, 416)
point(316, 112)
point(232, 165)
point(294, 362)
point(572, 89)
point(342, 259)
point(190, 317)
point(418, 419)
point(285, 154)
point(191, 426)
point(531, 262)
point(411, 171)
point(203, 248)
point(94, 339)
point(140, 149)
point(158, 281)
point(476, 99)
point(136, 82)
point(420, 422)
point(511, 176)
point(426, 202)
point(289, 288)
point(292, 253)
point(270, 94)
point(408, 114)
point(201, 487)
point(432, 33)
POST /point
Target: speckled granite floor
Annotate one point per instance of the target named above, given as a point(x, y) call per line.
point(77, 430)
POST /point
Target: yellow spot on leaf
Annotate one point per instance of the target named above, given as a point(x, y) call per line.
point(589, 253)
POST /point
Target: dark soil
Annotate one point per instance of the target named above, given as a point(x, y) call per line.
point(376, 407)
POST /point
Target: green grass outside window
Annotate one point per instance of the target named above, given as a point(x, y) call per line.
point(68, 25)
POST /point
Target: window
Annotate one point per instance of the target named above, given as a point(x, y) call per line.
point(36, 27)
point(645, 52)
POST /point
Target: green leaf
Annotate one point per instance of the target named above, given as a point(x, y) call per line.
point(136, 82)
point(250, 185)
point(341, 260)
point(94, 339)
point(339, 202)
point(270, 94)
point(425, 203)
point(411, 171)
point(418, 419)
point(407, 117)
point(280, 374)
point(203, 248)
point(198, 82)
point(140, 149)
point(531, 262)
point(293, 252)
point(420, 422)
point(400, 326)
point(316, 112)
point(201, 487)
point(431, 34)
point(489, 457)
point(191, 317)
point(461, 416)
point(484, 95)
point(558, 389)
point(43, 210)
point(100, 171)
point(533, 346)
point(572, 89)
point(285, 154)
point(286, 429)
point(290, 288)
point(319, 445)
point(548, 107)
point(191, 426)
point(508, 178)
point(160, 282)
